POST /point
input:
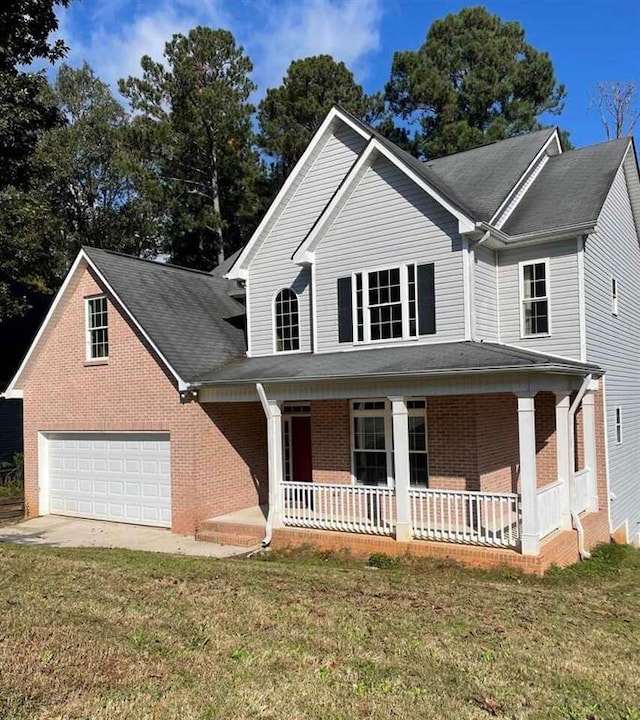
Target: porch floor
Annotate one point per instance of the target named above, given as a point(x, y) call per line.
point(244, 527)
point(256, 515)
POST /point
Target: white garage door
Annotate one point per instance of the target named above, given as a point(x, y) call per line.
point(124, 477)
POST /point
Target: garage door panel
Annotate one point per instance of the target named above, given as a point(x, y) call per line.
point(120, 477)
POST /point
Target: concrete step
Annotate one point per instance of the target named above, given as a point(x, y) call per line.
point(230, 533)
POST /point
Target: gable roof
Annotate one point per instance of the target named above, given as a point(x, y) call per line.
point(484, 176)
point(402, 361)
point(188, 314)
point(570, 189)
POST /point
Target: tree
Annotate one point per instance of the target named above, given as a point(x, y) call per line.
point(290, 114)
point(25, 114)
point(25, 28)
point(617, 104)
point(474, 80)
point(194, 124)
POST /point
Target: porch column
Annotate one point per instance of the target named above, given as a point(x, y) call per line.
point(589, 442)
point(563, 457)
point(528, 482)
point(400, 416)
point(273, 415)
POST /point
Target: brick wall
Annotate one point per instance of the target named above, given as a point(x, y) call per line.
point(331, 441)
point(498, 444)
point(214, 470)
point(546, 463)
point(452, 442)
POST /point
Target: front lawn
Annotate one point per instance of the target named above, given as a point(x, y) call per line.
point(110, 634)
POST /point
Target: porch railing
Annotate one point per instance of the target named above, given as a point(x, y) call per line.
point(348, 508)
point(549, 508)
point(581, 490)
point(477, 518)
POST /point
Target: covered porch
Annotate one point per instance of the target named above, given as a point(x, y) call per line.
point(496, 460)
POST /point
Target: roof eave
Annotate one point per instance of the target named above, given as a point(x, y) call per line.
point(555, 368)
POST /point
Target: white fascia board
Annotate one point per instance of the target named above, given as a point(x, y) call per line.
point(239, 271)
point(497, 219)
point(12, 390)
point(304, 255)
point(182, 385)
point(632, 178)
point(15, 392)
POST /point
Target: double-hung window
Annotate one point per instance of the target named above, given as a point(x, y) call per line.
point(97, 328)
point(373, 443)
point(534, 298)
point(387, 304)
point(618, 426)
point(614, 296)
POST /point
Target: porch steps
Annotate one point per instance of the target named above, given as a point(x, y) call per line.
point(230, 533)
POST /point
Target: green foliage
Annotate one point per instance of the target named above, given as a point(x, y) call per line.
point(290, 114)
point(12, 476)
point(382, 561)
point(194, 130)
point(606, 559)
point(474, 80)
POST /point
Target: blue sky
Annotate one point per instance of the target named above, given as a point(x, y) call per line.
point(589, 40)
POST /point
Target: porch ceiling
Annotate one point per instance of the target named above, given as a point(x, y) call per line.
point(395, 362)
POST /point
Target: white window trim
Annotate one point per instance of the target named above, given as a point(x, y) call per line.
point(88, 345)
point(615, 296)
point(547, 275)
point(618, 425)
point(404, 300)
point(385, 412)
point(274, 334)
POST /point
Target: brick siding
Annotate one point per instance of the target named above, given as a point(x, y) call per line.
point(218, 453)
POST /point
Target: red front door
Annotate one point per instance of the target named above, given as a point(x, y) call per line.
point(301, 466)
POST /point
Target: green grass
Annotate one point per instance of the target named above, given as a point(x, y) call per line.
point(107, 634)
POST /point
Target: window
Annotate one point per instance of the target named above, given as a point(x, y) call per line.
point(535, 299)
point(387, 304)
point(286, 321)
point(618, 425)
point(614, 296)
point(373, 442)
point(97, 328)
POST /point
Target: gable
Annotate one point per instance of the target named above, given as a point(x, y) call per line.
point(335, 124)
point(58, 357)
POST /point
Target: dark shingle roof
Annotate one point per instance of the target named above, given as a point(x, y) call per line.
point(570, 189)
point(227, 264)
point(485, 175)
point(188, 314)
point(380, 362)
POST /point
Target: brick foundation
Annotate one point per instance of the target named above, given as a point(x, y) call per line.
point(559, 549)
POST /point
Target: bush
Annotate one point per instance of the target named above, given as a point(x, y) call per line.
point(12, 476)
point(382, 561)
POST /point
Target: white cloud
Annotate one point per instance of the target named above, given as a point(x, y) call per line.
point(113, 36)
point(349, 30)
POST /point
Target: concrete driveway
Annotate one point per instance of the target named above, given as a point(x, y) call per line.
point(53, 531)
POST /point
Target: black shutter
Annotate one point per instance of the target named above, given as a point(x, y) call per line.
point(345, 316)
point(426, 299)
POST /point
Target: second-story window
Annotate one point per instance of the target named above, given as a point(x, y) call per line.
point(614, 296)
point(534, 293)
point(97, 328)
point(387, 304)
point(287, 326)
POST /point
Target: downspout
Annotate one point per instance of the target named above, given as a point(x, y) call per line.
point(575, 519)
point(272, 509)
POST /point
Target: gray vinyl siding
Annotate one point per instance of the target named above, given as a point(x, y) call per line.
point(614, 342)
point(388, 220)
point(272, 268)
point(563, 297)
point(485, 282)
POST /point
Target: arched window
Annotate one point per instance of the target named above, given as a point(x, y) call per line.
point(287, 325)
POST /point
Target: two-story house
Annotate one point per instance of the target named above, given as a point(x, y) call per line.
point(437, 358)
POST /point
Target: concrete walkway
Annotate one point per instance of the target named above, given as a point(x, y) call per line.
point(53, 531)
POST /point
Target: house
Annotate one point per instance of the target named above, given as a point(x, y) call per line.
point(438, 358)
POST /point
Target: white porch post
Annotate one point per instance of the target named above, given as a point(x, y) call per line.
point(274, 449)
point(563, 456)
point(400, 416)
point(528, 483)
point(589, 443)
